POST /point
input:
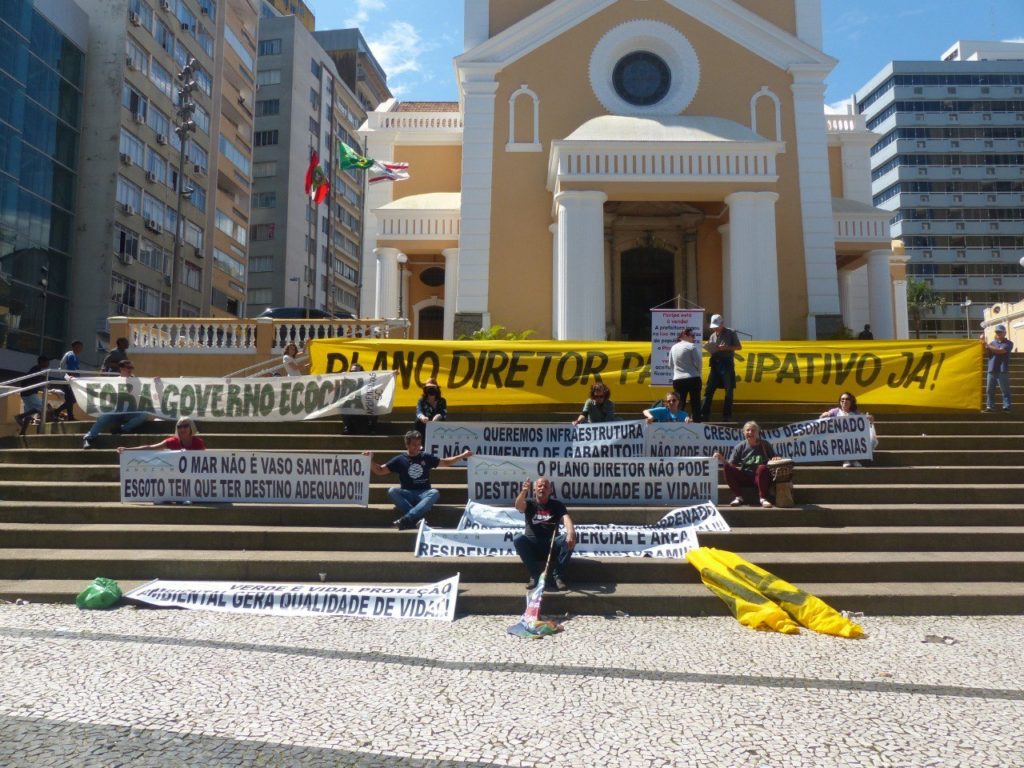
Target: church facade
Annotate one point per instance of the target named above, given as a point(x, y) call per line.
point(607, 157)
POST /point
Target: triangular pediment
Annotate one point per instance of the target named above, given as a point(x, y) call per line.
point(733, 21)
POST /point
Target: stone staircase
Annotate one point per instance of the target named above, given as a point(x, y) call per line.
point(934, 526)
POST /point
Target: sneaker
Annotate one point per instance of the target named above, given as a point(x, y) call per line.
point(856, 464)
point(560, 584)
point(532, 583)
point(847, 464)
point(737, 502)
point(766, 504)
point(986, 409)
point(87, 443)
point(1006, 410)
point(403, 524)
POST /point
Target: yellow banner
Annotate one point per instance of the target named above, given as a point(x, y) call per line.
point(916, 374)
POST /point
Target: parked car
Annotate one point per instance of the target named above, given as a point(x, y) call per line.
point(303, 313)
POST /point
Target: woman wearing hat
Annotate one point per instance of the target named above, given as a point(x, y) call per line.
point(430, 407)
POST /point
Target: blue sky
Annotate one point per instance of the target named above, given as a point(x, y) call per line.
point(415, 40)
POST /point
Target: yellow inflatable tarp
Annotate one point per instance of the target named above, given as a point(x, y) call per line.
point(760, 600)
point(917, 374)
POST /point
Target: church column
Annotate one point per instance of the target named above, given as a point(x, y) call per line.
point(451, 290)
point(726, 310)
point(580, 272)
point(690, 248)
point(899, 300)
point(880, 294)
point(752, 265)
point(475, 237)
point(555, 290)
point(387, 282)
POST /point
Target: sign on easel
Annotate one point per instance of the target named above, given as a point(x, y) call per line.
point(666, 325)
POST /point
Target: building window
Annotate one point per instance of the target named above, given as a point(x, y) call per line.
point(228, 226)
point(264, 170)
point(161, 78)
point(261, 264)
point(264, 138)
point(134, 101)
point(164, 38)
point(232, 39)
point(192, 275)
point(264, 200)
point(314, 126)
point(263, 231)
point(268, 77)
point(234, 154)
point(132, 147)
point(129, 194)
point(641, 78)
point(265, 107)
point(126, 242)
point(225, 263)
point(314, 67)
point(260, 295)
point(137, 56)
point(154, 257)
point(270, 47)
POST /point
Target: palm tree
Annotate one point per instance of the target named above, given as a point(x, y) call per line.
point(921, 301)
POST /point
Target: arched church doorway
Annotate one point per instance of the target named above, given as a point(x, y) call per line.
point(430, 323)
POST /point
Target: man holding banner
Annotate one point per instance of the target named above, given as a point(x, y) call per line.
point(544, 515)
point(414, 497)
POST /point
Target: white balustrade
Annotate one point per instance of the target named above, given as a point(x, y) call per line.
point(845, 123)
point(415, 121)
point(733, 164)
point(418, 226)
point(863, 228)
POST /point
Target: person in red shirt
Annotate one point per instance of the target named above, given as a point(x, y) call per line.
point(186, 438)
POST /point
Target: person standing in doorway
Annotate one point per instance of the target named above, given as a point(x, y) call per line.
point(866, 334)
point(686, 381)
point(722, 344)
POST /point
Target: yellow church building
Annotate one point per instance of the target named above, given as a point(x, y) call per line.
point(610, 156)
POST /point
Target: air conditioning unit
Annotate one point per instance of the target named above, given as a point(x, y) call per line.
point(135, 19)
point(205, 11)
point(167, 279)
point(198, 252)
point(126, 158)
point(139, 118)
point(150, 176)
point(153, 225)
point(165, 5)
point(241, 99)
point(161, 139)
point(124, 258)
point(198, 170)
point(185, 27)
point(129, 63)
point(127, 210)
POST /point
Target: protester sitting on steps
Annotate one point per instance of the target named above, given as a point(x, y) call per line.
point(415, 497)
point(117, 423)
point(747, 466)
point(598, 408)
point(185, 438)
point(848, 407)
point(671, 411)
point(430, 407)
point(543, 517)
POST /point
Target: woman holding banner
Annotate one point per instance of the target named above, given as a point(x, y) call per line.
point(848, 407)
point(598, 408)
point(747, 466)
point(289, 363)
point(430, 407)
point(668, 412)
point(186, 438)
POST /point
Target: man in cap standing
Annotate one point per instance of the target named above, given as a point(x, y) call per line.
point(723, 343)
point(998, 368)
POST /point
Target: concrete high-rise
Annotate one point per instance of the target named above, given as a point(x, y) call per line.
point(42, 76)
point(303, 255)
point(949, 165)
point(130, 152)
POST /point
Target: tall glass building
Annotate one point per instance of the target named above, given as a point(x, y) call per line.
point(42, 65)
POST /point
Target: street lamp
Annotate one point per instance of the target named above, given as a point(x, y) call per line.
point(296, 281)
point(967, 316)
point(184, 126)
point(401, 258)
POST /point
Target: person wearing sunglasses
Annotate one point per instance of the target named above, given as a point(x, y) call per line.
point(185, 438)
point(599, 406)
point(848, 407)
point(671, 411)
point(117, 423)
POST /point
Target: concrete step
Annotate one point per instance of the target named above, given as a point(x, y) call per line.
point(671, 599)
point(447, 515)
point(375, 567)
point(363, 539)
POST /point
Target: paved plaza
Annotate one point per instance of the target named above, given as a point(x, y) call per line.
point(136, 687)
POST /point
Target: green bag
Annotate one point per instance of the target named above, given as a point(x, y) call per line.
point(102, 593)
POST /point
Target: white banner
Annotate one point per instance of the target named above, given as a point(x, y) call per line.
point(429, 601)
point(245, 476)
point(591, 541)
point(615, 439)
point(702, 517)
point(280, 398)
point(666, 324)
point(625, 482)
point(844, 439)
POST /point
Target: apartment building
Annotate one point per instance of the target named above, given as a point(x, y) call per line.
point(949, 165)
point(303, 255)
point(295, 8)
point(131, 150)
point(43, 46)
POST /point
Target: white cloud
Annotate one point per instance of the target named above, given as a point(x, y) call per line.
point(840, 107)
point(398, 49)
point(362, 14)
